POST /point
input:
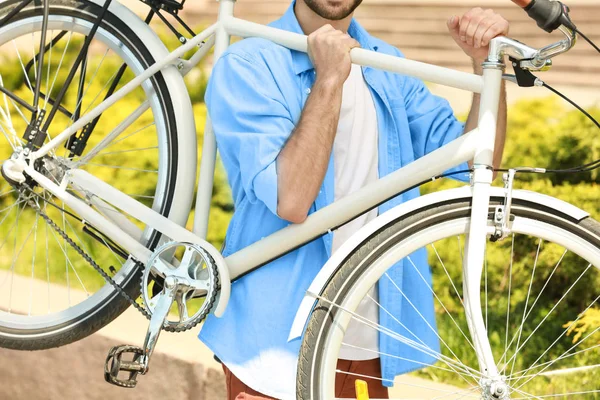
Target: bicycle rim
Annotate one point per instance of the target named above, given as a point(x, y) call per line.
point(56, 287)
point(541, 329)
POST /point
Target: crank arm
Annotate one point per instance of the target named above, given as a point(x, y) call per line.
point(141, 356)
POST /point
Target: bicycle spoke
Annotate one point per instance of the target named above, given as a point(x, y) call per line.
point(12, 144)
point(11, 190)
point(22, 66)
point(409, 342)
point(124, 168)
point(558, 395)
point(13, 226)
point(47, 264)
point(131, 134)
point(89, 85)
point(441, 303)
point(108, 140)
point(510, 269)
point(396, 319)
point(33, 264)
point(534, 303)
point(65, 251)
point(6, 110)
point(15, 258)
point(67, 264)
point(520, 374)
point(423, 318)
point(458, 296)
point(108, 82)
point(60, 62)
point(128, 150)
point(566, 371)
point(548, 314)
point(455, 364)
point(557, 339)
point(408, 330)
point(9, 208)
point(537, 254)
point(18, 109)
point(529, 395)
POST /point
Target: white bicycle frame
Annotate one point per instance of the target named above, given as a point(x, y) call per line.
point(476, 145)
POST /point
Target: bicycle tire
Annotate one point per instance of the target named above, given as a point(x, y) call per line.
point(324, 317)
point(98, 315)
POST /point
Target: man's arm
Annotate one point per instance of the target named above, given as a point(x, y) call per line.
point(473, 32)
point(500, 125)
point(302, 163)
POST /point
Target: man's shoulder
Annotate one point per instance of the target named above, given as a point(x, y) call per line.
point(259, 51)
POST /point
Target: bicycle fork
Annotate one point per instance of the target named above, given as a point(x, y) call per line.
point(492, 382)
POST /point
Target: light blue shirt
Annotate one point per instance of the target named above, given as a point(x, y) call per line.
point(255, 98)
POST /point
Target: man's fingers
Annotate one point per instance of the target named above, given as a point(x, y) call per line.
point(482, 20)
point(474, 25)
point(465, 21)
point(498, 29)
point(453, 26)
point(484, 25)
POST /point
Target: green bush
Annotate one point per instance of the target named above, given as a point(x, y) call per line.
point(541, 133)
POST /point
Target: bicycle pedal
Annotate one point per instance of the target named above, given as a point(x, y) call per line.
point(115, 364)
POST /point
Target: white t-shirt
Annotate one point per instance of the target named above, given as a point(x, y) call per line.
point(355, 165)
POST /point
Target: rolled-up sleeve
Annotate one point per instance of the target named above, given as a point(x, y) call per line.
point(251, 124)
point(432, 122)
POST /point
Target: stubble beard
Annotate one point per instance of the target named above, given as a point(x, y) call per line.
point(320, 8)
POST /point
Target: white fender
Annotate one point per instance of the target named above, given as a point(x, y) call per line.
point(182, 108)
point(186, 140)
point(397, 213)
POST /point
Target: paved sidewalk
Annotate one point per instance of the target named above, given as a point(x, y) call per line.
point(181, 368)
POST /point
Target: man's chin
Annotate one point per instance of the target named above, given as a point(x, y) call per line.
point(333, 10)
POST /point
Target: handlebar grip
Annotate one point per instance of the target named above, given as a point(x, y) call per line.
point(548, 15)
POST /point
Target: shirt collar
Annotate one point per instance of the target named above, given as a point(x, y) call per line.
point(301, 61)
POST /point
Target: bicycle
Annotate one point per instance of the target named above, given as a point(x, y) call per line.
point(148, 239)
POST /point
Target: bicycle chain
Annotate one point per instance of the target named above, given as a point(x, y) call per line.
point(111, 281)
point(89, 259)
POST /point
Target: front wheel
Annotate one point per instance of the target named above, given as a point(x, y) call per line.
point(539, 295)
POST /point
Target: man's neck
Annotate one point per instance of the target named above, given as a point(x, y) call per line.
point(310, 21)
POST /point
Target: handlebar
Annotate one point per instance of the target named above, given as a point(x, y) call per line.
point(549, 15)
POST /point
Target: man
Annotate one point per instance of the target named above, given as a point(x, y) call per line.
point(297, 132)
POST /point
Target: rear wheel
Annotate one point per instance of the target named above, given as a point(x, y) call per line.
point(49, 295)
point(539, 293)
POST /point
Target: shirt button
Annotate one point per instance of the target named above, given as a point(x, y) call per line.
point(307, 90)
